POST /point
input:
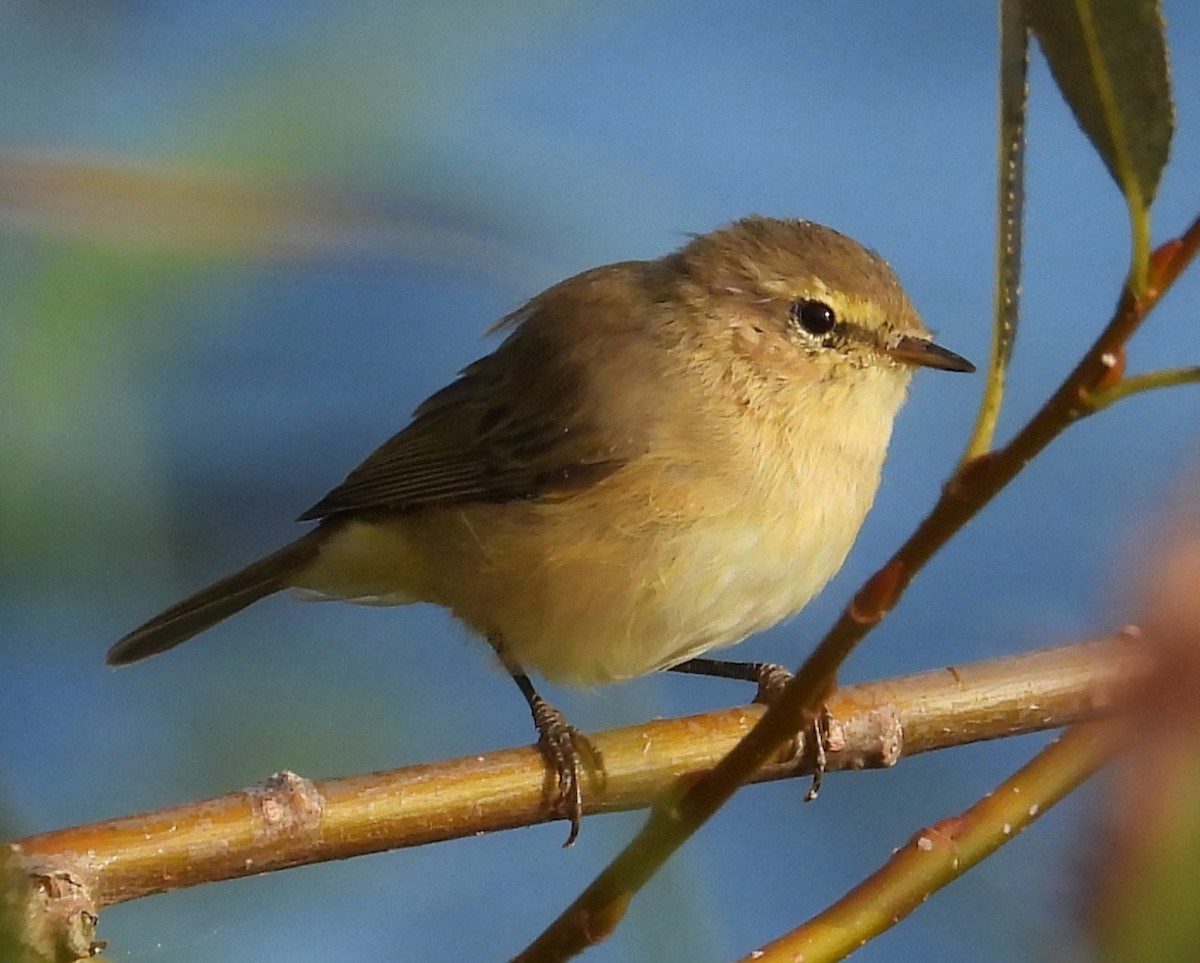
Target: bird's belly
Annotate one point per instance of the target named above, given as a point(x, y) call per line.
point(590, 596)
point(606, 612)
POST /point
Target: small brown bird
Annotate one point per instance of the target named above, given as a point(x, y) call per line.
point(661, 458)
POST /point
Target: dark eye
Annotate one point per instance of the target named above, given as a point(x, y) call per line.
point(815, 317)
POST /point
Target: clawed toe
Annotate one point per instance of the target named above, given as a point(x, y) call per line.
point(568, 751)
point(817, 732)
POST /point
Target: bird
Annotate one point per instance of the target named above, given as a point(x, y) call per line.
point(660, 458)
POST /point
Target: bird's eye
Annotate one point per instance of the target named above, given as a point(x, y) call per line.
point(815, 317)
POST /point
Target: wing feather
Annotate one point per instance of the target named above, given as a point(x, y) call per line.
point(514, 425)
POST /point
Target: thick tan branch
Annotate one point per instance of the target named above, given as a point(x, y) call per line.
point(290, 821)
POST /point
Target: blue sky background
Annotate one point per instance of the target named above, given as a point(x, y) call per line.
point(167, 408)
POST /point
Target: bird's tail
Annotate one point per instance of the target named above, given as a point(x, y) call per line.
point(217, 602)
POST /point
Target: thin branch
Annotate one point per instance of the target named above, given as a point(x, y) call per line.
point(938, 855)
point(132, 204)
point(925, 718)
point(1136, 384)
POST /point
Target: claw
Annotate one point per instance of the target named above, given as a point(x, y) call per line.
point(567, 750)
point(820, 726)
point(771, 679)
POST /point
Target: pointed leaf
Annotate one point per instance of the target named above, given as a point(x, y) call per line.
point(1109, 58)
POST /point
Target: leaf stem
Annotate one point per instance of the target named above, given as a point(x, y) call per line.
point(1136, 384)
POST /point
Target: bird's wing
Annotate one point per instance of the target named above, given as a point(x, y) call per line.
point(513, 426)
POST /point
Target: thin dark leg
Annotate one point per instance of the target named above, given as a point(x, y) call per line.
point(567, 749)
point(770, 679)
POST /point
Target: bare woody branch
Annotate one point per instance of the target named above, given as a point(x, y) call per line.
point(291, 821)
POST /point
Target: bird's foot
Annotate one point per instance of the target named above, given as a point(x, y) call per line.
point(569, 752)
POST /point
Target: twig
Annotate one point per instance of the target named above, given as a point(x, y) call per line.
point(938, 855)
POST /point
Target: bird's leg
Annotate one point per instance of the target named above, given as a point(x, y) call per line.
point(567, 749)
point(770, 677)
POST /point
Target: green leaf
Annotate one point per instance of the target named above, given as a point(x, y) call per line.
point(1010, 203)
point(1109, 58)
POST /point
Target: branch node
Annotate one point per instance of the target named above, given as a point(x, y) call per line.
point(868, 740)
point(286, 804)
point(61, 918)
point(875, 599)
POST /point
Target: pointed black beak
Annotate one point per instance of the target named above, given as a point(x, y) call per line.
point(918, 351)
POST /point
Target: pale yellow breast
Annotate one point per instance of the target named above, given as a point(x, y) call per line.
point(669, 557)
point(726, 556)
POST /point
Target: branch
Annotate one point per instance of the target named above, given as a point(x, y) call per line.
point(938, 855)
point(291, 821)
point(1137, 384)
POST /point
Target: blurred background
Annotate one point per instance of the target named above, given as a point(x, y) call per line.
point(240, 241)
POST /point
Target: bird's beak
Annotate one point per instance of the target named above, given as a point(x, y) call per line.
point(918, 351)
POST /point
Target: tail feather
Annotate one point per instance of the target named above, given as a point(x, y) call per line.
point(217, 602)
